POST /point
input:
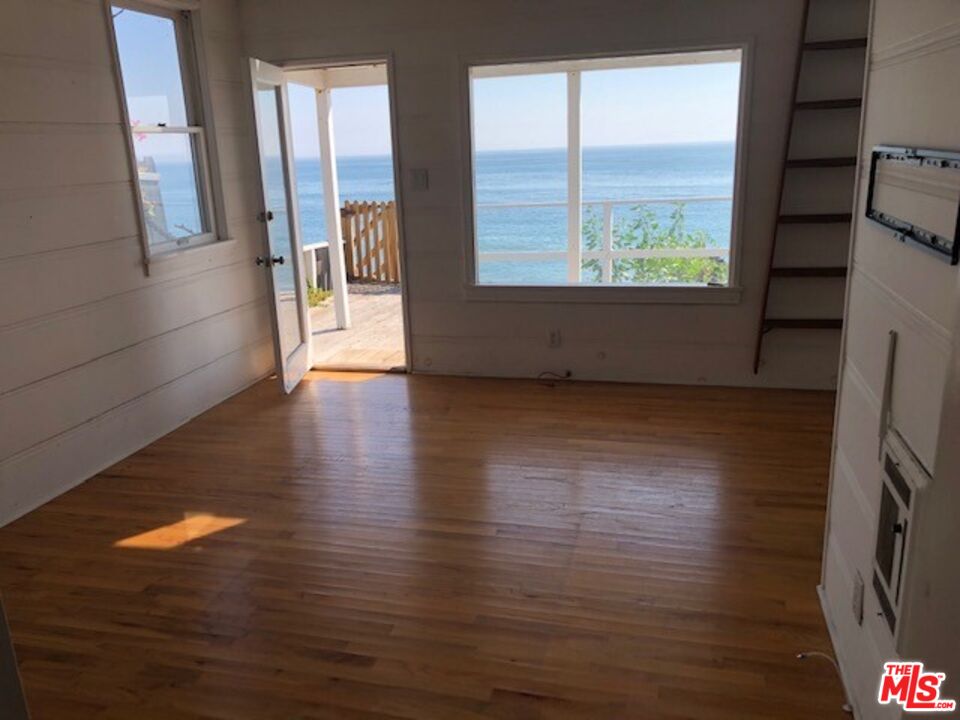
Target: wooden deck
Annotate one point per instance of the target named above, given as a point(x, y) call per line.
point(392, 546)
point(375, 339)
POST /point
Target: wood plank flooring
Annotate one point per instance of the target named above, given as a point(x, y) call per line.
point(383, 546)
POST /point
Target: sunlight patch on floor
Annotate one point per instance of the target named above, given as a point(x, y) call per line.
point(192, 527)
point(346, 376)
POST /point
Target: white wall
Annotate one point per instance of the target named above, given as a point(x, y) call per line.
point(96, 359)
point(429, 41)
point(915, 50)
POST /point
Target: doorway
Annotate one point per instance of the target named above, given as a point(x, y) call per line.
point(345, 178)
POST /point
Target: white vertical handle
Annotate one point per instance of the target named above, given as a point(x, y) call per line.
point(574, 178)
point(885, 400)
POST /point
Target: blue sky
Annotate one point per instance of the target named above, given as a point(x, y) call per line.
point(151, 71)
point(642, 106)
point(151, 74)
point(361, 121)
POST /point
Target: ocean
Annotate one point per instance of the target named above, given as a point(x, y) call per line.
point(530, 176)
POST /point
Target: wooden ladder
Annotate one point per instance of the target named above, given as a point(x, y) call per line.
point(804, 168)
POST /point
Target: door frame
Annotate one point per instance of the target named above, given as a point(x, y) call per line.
point(261, 67)
point(384, 58)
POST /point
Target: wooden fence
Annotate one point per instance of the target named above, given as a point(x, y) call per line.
point(370, 241)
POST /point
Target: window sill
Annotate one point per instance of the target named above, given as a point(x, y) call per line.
point(613, 295)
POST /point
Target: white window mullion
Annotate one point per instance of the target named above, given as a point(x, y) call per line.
point(606, 256)
point(574, 178)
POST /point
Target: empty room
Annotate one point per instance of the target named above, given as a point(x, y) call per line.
point(441, 359)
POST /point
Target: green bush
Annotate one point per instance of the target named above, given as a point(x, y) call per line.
point(316, 296)
point(642, 230)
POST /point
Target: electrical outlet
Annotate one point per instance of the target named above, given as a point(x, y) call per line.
point(858, 599)
point(554, 340)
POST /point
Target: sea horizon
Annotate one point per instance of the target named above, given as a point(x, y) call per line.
point(366, 156)
point(531, 175)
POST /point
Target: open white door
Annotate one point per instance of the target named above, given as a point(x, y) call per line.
point(280, 217)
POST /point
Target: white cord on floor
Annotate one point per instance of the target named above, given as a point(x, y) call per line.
point(847, 706)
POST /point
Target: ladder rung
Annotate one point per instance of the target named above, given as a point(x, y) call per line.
point(838, 104)
point(822, 218)
point(809, 272)
point(803, 323)
point(840, 44)
point(826, 162)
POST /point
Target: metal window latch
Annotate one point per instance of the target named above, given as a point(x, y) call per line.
point(263, 261)
point(277, 260)
point(265, 216)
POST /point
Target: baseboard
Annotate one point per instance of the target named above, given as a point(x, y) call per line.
point(832, 632)
point(46, 468)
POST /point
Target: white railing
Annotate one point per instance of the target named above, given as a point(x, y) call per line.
point(607, 254)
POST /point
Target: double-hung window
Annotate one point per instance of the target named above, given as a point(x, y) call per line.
point(169, 139)
point(608, 171)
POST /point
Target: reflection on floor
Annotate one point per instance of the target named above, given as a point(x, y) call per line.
point(374, 340)
point(393, 546)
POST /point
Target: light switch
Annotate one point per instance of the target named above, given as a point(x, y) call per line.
point(420, 179)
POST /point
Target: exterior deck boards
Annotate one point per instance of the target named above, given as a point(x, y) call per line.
point(430, 547)
point(374, 341)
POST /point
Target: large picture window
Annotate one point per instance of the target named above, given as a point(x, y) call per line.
point(608, 171)
point(162, 99)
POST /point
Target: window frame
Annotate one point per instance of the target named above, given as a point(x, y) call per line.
point(185, 15)
point(730, 293)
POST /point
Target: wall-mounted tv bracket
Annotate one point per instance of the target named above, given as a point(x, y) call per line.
point(904, 230)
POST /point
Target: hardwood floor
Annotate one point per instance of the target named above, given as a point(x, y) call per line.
point(426, 547)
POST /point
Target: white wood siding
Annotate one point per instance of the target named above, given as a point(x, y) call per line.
point(910, 101)
point(97, 359)
point(430, 42)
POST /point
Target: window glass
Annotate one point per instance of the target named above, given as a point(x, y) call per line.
point(657, 150)
point(278, 229)
point(168, 186)
point(650, 135)
point(172, 165)
point(520, 178)
point(150, 60)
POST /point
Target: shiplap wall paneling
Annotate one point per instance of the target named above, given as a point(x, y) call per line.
point(97, 358)
point(915, 50)
point(429, 46)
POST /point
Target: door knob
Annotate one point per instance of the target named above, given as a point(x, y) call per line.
point(277, 260)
